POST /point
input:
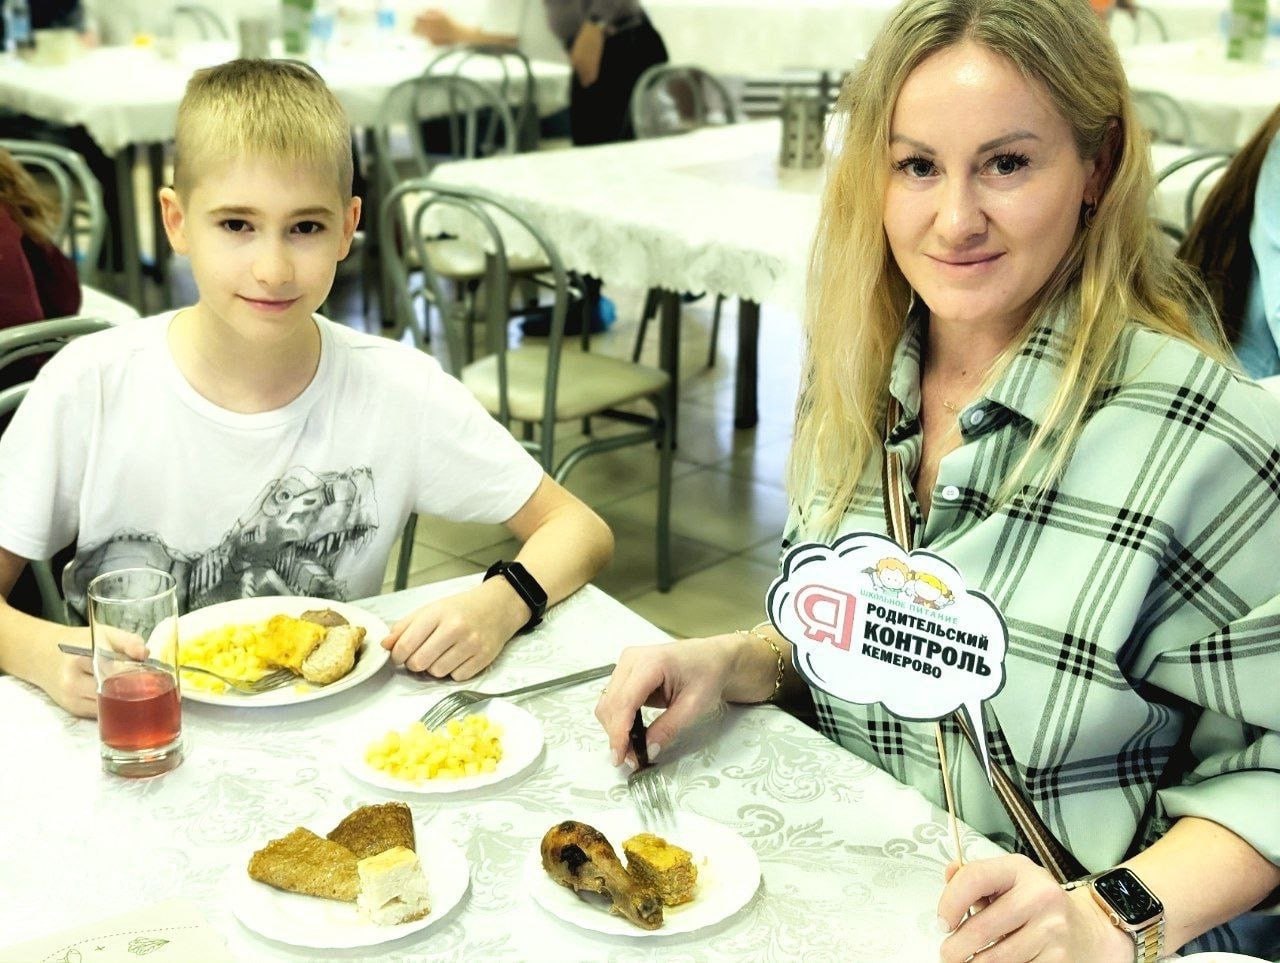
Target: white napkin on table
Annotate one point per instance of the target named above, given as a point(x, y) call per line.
point(169, 932)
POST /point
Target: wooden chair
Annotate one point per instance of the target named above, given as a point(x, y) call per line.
point(538, 385)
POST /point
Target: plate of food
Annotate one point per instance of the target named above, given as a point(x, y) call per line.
point(330, 646)
point(608, 875)
point(470, 751)
point(372, 878)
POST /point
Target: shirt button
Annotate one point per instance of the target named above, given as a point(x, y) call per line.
point(951, 493)
point(977, 416)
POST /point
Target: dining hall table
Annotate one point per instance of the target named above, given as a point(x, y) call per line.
point(851, 860)
point(127, 99)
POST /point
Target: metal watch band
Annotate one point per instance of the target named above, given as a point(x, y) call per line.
point(1148, 942)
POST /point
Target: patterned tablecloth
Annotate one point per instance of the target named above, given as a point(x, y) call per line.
point(852, 860)
point(129, 95)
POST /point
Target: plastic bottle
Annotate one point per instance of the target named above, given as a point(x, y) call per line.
point(384, 18)
point(17, 25)
point(324, 23)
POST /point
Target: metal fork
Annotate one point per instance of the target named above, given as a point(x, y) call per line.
point(648, 786)
point(272, 680)
point(461, 699)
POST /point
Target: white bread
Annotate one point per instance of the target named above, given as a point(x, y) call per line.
point(334, 656)
point(393, 888)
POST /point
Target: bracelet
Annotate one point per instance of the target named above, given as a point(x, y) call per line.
point(755, 633)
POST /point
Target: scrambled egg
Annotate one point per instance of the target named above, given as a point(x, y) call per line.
point(462, 747)
point(248, 652)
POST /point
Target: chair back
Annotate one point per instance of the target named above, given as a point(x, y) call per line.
point(1166, 119)
point(42, 338)
point(1206, 164)
point(673, 98)
point(82, 220)
point(22, 341)
point(762, 94)
point(516, 88)
point(489, 222)
point(479, 123)
point(208, 25)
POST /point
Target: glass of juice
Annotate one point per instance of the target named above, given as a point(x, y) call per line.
point(139, 700)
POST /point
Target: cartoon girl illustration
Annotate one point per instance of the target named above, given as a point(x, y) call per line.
point(929, 590)
point(890, 575)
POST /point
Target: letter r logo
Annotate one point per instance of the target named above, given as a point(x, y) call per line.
point(827, 615)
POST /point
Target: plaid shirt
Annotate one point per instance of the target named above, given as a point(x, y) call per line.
point(1142, 596)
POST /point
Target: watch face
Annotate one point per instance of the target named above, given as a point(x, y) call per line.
point(1124, 893)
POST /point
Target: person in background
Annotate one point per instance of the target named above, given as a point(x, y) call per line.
point(1235, 245)
point(37, 280)
point(610, 44)
point(250, 447)
point(990, 303)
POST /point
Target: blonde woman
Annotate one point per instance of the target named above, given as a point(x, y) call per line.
point(1078, 446)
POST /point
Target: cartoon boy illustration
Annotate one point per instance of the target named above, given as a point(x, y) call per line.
point(890, 575)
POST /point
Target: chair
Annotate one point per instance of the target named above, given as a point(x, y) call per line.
point(206, 21)
point(516, 88)
point(1165, 118)
point(479, 124)
point(762, 94)
point(1210, 161)
point(82, 220)
point(671, 99)
point(24, 341)
point(535, 384)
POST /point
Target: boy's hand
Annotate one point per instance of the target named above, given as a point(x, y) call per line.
point(460, 635)
point(70, 683)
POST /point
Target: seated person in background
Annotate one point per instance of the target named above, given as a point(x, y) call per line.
point(251, 447)
point(989, 302)
point(37, 280)
point(610, 44)
point(1235, 245)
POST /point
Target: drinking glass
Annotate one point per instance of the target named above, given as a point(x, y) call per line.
point(139, 702)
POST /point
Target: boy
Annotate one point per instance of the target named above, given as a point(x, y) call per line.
point(252, 448)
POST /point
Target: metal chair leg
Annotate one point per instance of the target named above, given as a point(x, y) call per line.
point(648, 314)
point(406, 552)
point(715, 331)
point(666, 456)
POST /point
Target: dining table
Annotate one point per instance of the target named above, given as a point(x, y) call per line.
point(1225, 100)
point(851, 861)
point(127, 98)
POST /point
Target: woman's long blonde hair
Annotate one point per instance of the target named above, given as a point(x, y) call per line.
point(1117, 270)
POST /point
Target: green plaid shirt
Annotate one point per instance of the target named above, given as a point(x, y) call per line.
point(1142, 596)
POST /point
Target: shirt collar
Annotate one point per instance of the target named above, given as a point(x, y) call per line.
point(1026, 388)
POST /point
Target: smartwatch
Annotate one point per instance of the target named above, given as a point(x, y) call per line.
point(1131, 907)
point(525, 586)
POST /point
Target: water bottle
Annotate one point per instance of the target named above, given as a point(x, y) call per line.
point(385, 23)
point(324, 23)
point(17, 26)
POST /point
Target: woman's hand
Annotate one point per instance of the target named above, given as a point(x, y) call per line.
point(459, 635)
point(587, 52)
point(1027, 916)
point(686, 678)
point(438, 27)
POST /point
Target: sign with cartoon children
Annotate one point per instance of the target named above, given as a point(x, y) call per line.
point(872, 623)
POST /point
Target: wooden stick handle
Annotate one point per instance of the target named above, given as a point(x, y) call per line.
point(946, 789)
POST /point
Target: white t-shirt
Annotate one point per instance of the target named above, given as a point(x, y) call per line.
point(113, 448)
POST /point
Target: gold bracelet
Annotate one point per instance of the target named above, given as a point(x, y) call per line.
point(755, 633)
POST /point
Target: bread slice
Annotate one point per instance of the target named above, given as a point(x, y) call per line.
point(334, 656)
point(370, 830)
point(393, 888)
point(668, 869)
point(304, 863)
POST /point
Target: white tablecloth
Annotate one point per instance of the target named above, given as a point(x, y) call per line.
point(852, 861)
point(129, 95)
point(704, 211)
point(1225, 100)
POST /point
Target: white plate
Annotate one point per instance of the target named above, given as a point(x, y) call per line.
point(521, 745)
point(728, 875)
point(328, 924)
point(242, 611)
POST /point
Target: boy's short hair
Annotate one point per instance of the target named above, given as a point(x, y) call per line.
point(271, 109)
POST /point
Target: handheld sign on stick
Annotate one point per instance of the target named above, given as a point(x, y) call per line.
point(872, 623)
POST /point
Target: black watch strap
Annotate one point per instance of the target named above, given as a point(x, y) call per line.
point(525, 586)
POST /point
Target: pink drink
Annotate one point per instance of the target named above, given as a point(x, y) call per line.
point(138, 710)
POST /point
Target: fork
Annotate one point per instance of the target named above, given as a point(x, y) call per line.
point(461, 699)
point(272, 680)
point(648, 786)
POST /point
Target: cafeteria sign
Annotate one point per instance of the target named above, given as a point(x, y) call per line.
point(871, 623)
